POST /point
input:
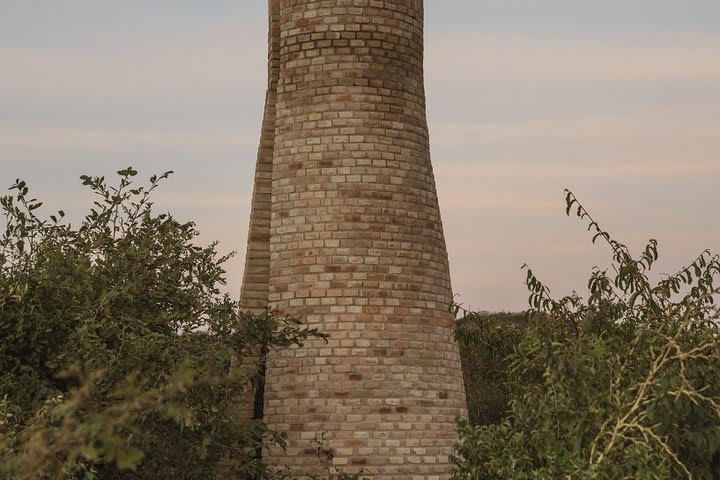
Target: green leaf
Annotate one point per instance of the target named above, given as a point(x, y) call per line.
point(128, 172)
point(128, 458)
point(89, 452)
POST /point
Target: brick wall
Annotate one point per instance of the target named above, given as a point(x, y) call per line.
point(346, 234)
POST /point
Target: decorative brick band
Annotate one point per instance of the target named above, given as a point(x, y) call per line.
point(346, 208)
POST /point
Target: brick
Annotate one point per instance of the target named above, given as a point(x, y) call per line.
point(345, 234)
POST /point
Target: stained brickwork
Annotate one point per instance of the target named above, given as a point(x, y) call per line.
point(254, 290)
point(346, 208)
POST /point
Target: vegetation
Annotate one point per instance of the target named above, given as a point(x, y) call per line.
point(117, 351)
point(486, 342)
point(622, 384)
point(121, 359)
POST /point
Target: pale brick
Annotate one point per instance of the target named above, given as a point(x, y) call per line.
point(345, 233)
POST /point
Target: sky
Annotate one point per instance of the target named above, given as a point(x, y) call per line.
point(617, 100)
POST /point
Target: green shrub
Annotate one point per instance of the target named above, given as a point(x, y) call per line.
point(622, 384)
point(116, 345)
point(486, 341)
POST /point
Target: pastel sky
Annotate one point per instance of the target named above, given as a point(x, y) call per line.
point(618, 100)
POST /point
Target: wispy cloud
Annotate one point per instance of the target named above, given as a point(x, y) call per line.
point(231, 200)
point(33, 139)
point(570, 59)
point(463, 172)
point(167, 71)
point(622, 125)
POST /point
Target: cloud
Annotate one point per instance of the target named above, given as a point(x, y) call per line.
point(623, 125)
point(229, 200)
point(463, 172)
point(567, 59)
point(35, 139)
point(458, 193)
point(208, 68)
point(582, 17)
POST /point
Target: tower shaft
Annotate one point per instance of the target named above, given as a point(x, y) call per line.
point(355, 243)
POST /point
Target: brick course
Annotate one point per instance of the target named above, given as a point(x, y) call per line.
point(345, 233)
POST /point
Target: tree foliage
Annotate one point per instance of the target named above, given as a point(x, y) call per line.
point(486, 341)
point(117, 347)
point(624, 383)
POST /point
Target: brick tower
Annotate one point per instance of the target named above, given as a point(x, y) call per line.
point(345, 234)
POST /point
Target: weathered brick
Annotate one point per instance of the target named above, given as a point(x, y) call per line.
point(345, 233)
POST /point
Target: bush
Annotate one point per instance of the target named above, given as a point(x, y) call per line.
point(486, 341)
point(117, 346)
point(623, 384)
